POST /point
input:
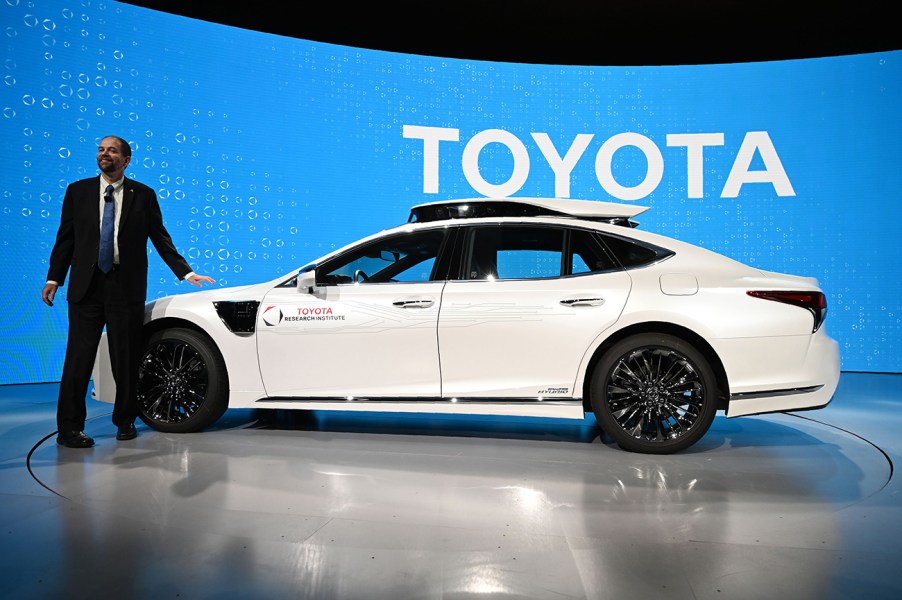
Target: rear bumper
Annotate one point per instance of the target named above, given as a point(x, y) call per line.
point(821, 369)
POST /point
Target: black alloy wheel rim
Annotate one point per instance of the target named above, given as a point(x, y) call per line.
point(172, 382)
point(655, 394)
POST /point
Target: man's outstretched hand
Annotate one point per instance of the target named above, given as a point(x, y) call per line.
point(197, 279)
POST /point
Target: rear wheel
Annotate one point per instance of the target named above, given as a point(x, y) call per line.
point(182, 381)
point(654, 393)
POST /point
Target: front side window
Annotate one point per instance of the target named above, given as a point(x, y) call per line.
point(408, 257)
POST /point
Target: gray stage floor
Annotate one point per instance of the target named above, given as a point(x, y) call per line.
point(349, 506)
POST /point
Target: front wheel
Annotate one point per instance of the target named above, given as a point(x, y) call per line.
point(654, 394)
point(182, 381)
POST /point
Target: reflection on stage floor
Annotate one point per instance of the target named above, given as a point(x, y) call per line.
point(276, 504)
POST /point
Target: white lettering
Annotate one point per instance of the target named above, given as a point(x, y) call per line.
point(470, 162)
point(562, 167)
point(695, 160)
point(431, 136)
point(653, 175)
point(773, 172)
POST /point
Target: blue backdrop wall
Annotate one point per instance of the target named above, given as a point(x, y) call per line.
point(266, 152)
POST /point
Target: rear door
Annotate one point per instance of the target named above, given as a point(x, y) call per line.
point(531, 301)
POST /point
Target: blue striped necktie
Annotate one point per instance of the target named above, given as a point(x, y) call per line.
point(105, 259)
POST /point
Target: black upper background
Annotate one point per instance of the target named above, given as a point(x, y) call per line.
point(572, 32)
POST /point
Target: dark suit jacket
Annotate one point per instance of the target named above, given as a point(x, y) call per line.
point(78, 239)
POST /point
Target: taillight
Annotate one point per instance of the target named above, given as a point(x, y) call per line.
point(814, 302)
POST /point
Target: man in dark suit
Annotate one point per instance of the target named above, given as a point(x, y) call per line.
point(106, 287)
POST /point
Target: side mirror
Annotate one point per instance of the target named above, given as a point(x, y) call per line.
point(306, 280)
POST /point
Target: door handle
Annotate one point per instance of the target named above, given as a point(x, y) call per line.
point(582, 301)
point(414, 303)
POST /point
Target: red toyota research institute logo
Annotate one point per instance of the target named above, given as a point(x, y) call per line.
point(272, 315)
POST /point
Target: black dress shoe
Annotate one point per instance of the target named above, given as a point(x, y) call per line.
point(74, 439)
point(127, 432)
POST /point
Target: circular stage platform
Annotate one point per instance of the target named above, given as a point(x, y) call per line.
point(274, 504)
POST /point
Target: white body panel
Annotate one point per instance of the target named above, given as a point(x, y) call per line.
point(542, 327)
point(238, 351)
point(357, 340)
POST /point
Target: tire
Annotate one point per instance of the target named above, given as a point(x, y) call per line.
point(182, 381)
point(654, 394)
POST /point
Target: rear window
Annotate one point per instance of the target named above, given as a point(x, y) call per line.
point(631, 254)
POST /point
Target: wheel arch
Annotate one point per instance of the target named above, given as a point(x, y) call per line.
point(684, 333)
point(156, 325)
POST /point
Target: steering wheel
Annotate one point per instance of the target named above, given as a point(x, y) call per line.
point(359, 275)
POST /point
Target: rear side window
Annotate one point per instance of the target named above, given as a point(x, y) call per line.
point(532, 252)
point(588, 254)
point(514, 252)
point(631, 254)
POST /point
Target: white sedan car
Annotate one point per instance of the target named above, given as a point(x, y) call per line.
point(506, 306)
